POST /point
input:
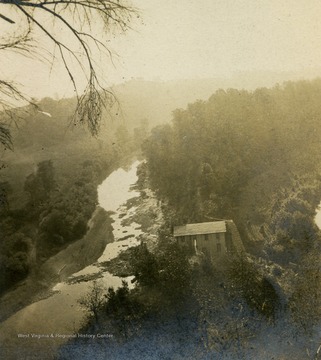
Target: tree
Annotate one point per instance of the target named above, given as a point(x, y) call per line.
point(68, 26)
point(39, 185)
point(123, 309)
point(93, 301)
point(145, 266)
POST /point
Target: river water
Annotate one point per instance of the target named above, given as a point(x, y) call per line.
point(60, 314)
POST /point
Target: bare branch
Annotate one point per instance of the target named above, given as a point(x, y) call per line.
point(75, 17)
point(5, 137)
point(6, 19)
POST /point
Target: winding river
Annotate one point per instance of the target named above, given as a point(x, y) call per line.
point(38, 330)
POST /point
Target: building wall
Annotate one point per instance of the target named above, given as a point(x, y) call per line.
point(212, 245)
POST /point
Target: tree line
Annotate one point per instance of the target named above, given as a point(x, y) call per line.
point(203, 162)
point(55, 214)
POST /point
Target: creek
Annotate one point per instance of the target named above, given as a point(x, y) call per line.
point(60, 316)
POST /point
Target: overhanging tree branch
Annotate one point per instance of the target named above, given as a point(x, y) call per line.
point(6, 19)
point(77, 19)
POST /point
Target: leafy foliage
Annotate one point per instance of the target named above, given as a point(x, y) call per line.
point(166, 269)
point(213, 157)
point(257, 290)
point(124, 309)
point(55, 213)
point(252, 157)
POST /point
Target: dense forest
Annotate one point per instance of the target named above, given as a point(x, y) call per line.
point(48, 184)
point(250, 156)
point(216, 151)
point(253, 157)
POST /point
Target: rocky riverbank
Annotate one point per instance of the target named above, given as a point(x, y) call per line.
point(148, 216)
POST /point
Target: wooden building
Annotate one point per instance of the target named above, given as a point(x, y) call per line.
point(214, 239)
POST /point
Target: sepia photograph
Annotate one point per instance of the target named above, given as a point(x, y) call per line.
point(160, 180)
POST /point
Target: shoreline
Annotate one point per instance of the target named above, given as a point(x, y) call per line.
point(73, 258)
point(58, 268)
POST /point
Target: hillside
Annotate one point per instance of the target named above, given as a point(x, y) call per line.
point(251, 155)
point(156, 100)
point(254, 157)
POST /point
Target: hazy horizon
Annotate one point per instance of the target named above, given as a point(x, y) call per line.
point(193, 39)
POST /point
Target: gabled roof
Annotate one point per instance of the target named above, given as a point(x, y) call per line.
point(200, 228)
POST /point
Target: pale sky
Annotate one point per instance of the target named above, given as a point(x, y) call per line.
point(177, 39)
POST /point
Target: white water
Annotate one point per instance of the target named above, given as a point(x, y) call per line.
point(116, 189)
point(112, 196)
point(61, 313)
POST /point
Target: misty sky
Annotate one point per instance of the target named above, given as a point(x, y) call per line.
point(198, 39)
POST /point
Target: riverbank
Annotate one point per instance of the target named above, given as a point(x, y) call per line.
point(59, 267)
point(148, 216)
point(59, 312)
point(68, 260)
